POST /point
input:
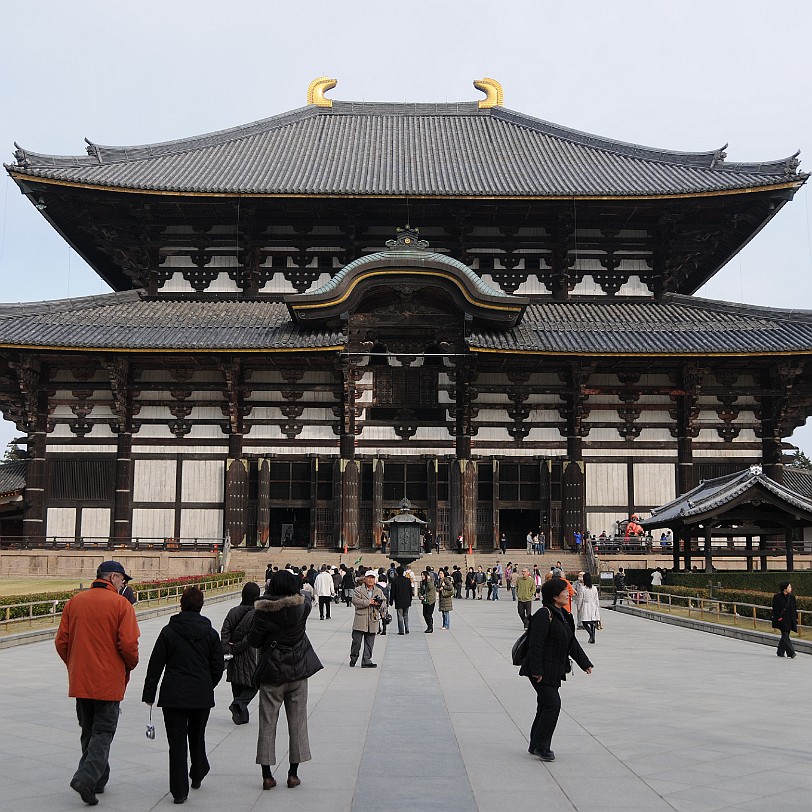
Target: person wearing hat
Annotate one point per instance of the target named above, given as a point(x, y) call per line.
point(98, 642)
point(370, 603)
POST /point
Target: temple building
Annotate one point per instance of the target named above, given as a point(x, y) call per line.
point(316, 315)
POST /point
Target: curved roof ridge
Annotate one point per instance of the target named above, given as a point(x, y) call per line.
point(427, 256)
point(12, 309)
point(107, 153)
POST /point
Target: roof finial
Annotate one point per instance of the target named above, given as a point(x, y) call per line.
point(494, 96)
point(316, 90)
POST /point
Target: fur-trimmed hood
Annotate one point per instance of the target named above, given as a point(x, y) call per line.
point(276, 603)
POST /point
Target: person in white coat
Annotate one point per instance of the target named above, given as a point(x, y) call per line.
point(325, 589)
point(589, 610)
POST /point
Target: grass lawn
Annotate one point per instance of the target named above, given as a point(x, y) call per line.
point(34, 586)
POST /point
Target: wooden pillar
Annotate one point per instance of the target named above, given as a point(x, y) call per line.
point(572, 486)
point(377, 500)
point(431, 501)
point(236, 498)
point(122, 506)
point(686, 540)
point(748, 544)
point(468, 474)
point(762, 545)
point(264, 502)
point(708, 554)
point(790, 551)
point(348, 467)
point(35, 416)
point(675, 549)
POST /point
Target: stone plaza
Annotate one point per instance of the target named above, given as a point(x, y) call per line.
point(670, 719)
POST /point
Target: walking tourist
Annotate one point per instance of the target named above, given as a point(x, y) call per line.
point(287, 661)
point(531, 543)
point(428, 598)
point(446, 593)
point(620, 586)
point(400, 594)
point(470, 583)
point(325, 590)
point(552, 642)
point(540, 543)
point(189, 654)
point(514, 577)
point(503, 544)
point(589, 610)
point(370, 603)
point(525, 592)
point(242, 657)
point(785, 618)
point(480, 579)
point(456, 578)
point(348, 584)
point(98, 642)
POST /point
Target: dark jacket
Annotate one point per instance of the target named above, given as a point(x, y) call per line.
point(278, 631)
point(234, 637)
point(785, 612)
point(552, 643)
point(189, 654)
point(400, 592)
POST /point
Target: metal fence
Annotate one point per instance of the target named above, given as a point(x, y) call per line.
point(51, 610)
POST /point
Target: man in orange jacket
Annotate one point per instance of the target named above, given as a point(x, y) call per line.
point(98, 641)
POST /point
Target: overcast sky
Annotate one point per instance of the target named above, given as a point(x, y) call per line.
point(686, 75)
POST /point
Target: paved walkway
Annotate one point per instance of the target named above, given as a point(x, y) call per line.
point(671, 719)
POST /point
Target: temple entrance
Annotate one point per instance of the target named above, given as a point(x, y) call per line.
point(515, 524)
point(290, 527)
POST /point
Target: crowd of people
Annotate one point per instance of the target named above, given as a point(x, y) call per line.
point(264, 650)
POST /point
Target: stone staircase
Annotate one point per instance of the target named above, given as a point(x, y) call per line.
point(254, 562)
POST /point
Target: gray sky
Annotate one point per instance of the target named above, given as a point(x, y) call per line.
point(687, 75)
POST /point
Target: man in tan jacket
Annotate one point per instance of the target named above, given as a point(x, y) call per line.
point(98, 641)
point(370, 603)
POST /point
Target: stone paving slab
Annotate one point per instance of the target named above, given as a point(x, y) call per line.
point(670, 719)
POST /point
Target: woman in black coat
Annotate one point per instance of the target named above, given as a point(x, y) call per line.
point(189, 654)
point(243, 660)
point(552, 642)
point(286, 661)
point(785, 617)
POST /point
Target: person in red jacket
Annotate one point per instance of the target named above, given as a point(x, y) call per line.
point(98, 641)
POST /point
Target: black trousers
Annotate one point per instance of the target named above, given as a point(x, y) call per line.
point(182, 725)
point(525, 609)
point(590, 626)
point(98, 720)
point(785, 646)
point(548, 706)
point(324, 604)
point(428, 615)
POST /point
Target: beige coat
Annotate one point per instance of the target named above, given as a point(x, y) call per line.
point(367, 616)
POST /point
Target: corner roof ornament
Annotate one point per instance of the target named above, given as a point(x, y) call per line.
point(407, 239)
point(316, 90)
point(494, 96)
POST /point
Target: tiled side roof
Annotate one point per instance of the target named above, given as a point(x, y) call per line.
point(799, 480)
point(713, 494)
point(130, 321)
point(396, 149)
point(675, 325)
point(12, 477)
point(678, 325)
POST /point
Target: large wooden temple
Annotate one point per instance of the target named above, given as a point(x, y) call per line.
point(320, 313)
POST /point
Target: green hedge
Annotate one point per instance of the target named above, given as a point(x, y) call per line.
point(739, 579)
point(44, 600)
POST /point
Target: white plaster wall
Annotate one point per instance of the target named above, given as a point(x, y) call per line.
point(606, 484)
point(654, 483)
point(153, 524)
point(154, 481)
point(201, 524)
point(202, 481)
point(598, 521)
point(96, 522)
point(61, 522)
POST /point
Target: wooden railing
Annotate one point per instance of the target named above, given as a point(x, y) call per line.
point(50, 611)
point(109, 543)
point(732, 613)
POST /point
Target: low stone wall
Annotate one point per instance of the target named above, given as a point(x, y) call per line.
point(145, 565)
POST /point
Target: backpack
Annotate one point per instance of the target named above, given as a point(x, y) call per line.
point(522, 645)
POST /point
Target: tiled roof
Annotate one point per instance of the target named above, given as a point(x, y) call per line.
point(677, 325)
point(129, 320)
point(396, 149)
point(12, 477)
point(713, 494)
point(800, 480)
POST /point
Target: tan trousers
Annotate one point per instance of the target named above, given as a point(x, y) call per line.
point(271, 697)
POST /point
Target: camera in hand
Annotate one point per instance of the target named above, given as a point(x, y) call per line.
point(150, 731)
